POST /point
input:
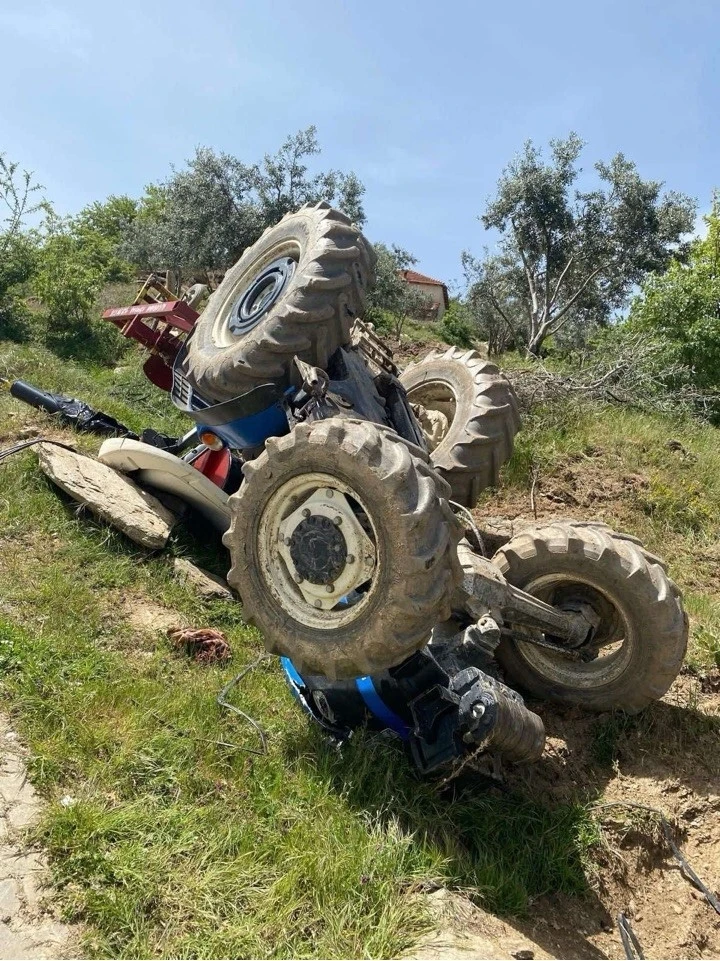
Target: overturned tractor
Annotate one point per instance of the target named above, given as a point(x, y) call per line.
point(343, 484)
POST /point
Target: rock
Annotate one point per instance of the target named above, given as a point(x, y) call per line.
point(27, 432)
point(524, 954)
point(9, 898)
point(110, 496)
point(206, 584)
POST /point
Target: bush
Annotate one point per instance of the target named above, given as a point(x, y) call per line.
point(18, 248)
point(682, 308)
point(457, 327)
point(72, 271)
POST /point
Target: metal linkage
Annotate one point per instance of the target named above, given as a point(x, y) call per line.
point(485, 590)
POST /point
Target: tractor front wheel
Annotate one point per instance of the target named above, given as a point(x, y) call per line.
point(640, 638)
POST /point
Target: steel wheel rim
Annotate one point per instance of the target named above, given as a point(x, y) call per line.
point(603, 669)
point(277, 574)
point(437, 395)
point(262, 285)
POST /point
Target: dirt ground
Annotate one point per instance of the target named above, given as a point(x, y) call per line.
point(667, 758)
point(669, 762)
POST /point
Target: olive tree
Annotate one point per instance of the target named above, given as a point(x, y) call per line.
point(203, 216)
point(18, 246)
point(393, 300)
point(569, 255)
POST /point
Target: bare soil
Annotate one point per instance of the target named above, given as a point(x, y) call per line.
point(667, 758)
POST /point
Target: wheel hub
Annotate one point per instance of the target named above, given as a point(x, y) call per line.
point(260, 295)
point(325, 550)
point(318, 550)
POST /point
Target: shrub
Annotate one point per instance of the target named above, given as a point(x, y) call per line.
point(457, 327)
point(72, 270)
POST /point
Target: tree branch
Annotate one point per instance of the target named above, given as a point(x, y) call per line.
point(532, 311)
point(560, 279)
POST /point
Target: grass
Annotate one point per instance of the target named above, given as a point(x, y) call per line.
point(167, 838)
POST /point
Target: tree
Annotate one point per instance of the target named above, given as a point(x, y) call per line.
point(110, 219)
point(457, 326)
point(18, 245)
point(393, 300)
point(204, 216)
point(568, 255)
point(682, 306)
point(73, 265)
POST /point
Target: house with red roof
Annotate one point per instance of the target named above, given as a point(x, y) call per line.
point(434, 290)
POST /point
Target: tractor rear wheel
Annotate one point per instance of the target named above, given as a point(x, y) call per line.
point(343, 547)
point(296, 291)
point(469, 413)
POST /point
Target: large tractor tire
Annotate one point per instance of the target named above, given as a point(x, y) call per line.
point(469, 413)
point(343, 547)
point(296, 291)
point(640, 641)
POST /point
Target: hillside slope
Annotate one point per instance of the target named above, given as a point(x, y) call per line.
point(177, 841)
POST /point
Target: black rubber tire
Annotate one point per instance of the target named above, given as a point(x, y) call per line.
point(416, 540)
point(633, 580)
point(312, 316)
point(483, 415)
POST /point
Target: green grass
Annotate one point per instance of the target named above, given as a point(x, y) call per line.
point(175, 840)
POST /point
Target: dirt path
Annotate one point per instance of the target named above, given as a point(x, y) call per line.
point(28, 925)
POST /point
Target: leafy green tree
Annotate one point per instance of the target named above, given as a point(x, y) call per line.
point(74, 263)
point(18, 245)
point(110, 219)
point(393, 300)
point(457, 326)
point(571, 255)
point(205, 215)
point(682, 306)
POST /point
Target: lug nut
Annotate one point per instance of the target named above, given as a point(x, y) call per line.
point(297, 579)
point(337, 521)
point(287, 542)
point(330, 492)
point(478, 711)
point(306, 512)
point(318, 603)
point(351, 558)
point(329, 588)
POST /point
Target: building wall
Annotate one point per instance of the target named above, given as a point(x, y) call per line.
point(434, 293)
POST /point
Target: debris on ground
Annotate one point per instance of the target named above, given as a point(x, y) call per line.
point(206, 645)
point(209, 586)
point(109, 495)
point(70, 410)
point(28, 926)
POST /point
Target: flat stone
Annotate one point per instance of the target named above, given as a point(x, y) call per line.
point(51, 932)
point(206, 584)
point(23, 815)
point(9, 899)
point(111, 496)
point(13, 785)
point(17, 944)
point(27, 929)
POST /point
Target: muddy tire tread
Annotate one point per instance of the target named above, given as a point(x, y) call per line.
point(477, 445)
point(314, 318)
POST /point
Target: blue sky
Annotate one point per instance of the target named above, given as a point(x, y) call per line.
point(426, 101)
